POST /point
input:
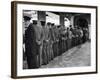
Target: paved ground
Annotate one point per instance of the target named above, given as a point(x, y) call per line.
point(75, 57)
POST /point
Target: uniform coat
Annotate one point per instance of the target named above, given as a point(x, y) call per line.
point(31, 47)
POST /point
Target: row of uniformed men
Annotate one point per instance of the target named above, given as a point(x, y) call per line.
point(46, 41)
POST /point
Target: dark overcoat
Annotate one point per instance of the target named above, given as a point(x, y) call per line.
point(31, 46)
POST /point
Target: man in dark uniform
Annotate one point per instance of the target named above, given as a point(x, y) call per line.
point(31, 46)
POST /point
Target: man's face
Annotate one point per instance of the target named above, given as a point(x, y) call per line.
point(49, 26)
point(43, 25)
point(26, 23)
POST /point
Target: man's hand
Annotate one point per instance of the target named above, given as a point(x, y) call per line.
point(38, 42)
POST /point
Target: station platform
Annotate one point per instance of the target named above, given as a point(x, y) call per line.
point(75, 57)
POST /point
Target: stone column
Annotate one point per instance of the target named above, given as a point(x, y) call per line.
point(72, 21)
point(62, 19)
point(41, 16)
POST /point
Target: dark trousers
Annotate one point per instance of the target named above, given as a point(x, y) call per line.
point(45, 54)
point(51, 55)
point(55, 49)
point(32, 62)
point(84, 39)
point(73, 41)
point(63, 46)
point(77, 41)
point(69, 43)
point(60, 47)
point(32, 53)
point(66, 45)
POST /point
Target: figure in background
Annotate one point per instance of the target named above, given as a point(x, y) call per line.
point(73, 36)
point(63, 39)
point(80, 33)
point(57, 40)
point(76, 35)
point(69, 38)
point(71, 28)
point(84, 35)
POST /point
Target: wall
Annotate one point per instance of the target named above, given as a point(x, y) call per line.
point(5, 41)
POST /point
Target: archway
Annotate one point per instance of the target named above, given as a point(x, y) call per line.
point(82, 22)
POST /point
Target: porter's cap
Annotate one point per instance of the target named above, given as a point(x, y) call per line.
point(27, 16)
point(52, 24)
point(34, 21)
point(48, 23)
point(42, 23)
point(58, 26)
